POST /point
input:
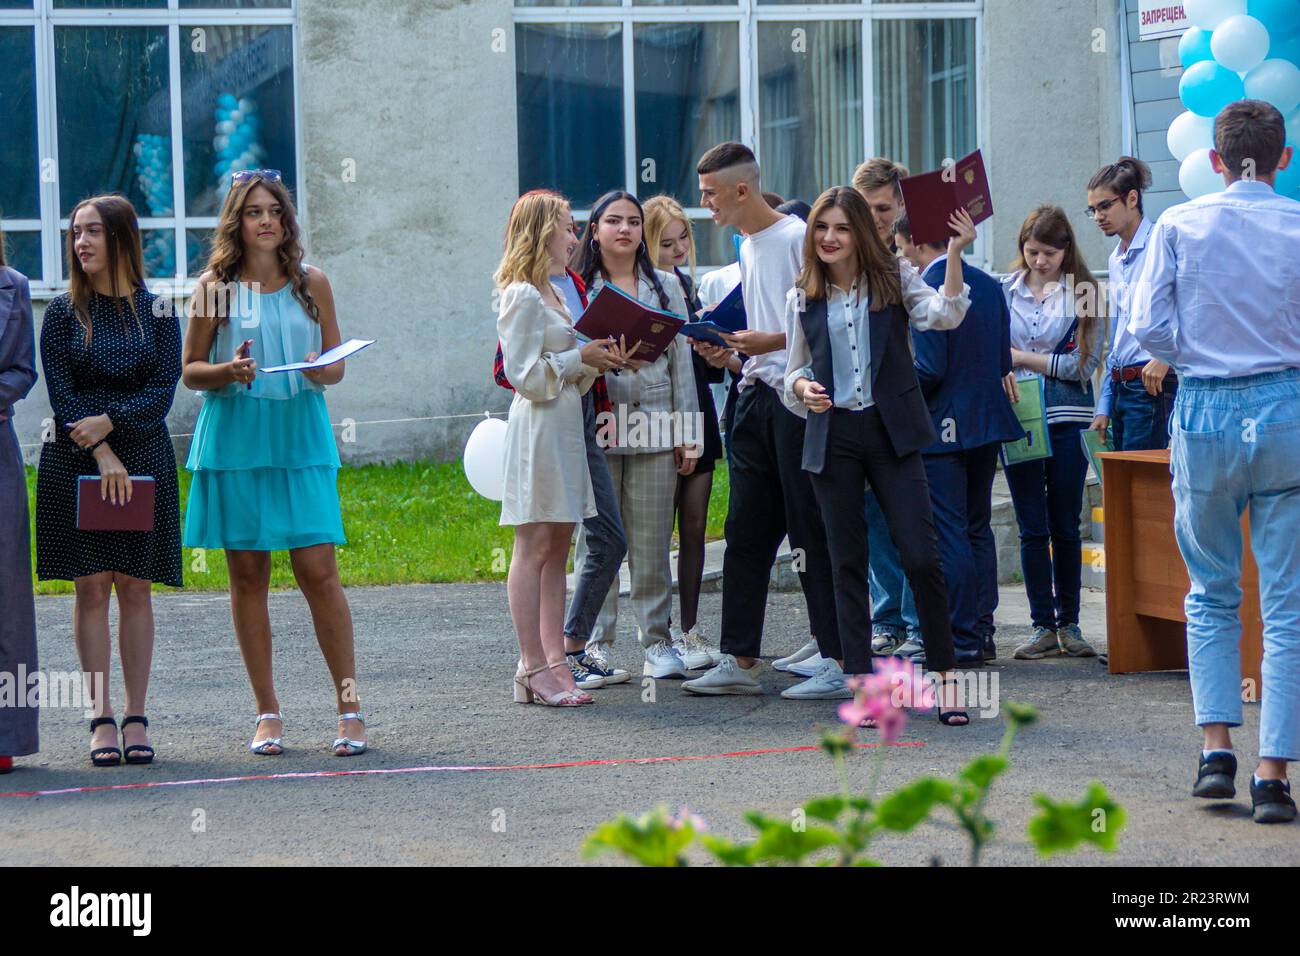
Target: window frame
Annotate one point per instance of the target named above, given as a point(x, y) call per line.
point(43, 18)
point(746, 14)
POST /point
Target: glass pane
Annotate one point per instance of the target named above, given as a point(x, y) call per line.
point(114, 116)
point(569, 82)
point(158, 247)
point(236, 109)
point(15, 4)
point(229, 4)
point(19, 189)
point(100, 4)
point(687, 81)
point(198, 243)
point(809, 106)
point(769, 2)
point(23, 252)
point(693, 3)
point(568, 3)
point(714, 245)
point(925, 91)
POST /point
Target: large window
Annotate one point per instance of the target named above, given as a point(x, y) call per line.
point(159, 100)
point(629, 94)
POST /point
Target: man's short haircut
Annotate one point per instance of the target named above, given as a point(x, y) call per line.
point(902, 227)
point(795, 207)
point(773, 199)
point(877, 172)
point(1122, 177)
point(726, 156)
point(1249, 136)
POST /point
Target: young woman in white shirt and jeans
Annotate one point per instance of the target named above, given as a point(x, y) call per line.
point(1057, 334)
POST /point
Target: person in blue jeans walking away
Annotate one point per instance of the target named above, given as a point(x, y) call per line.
point(961, 372)
point(1220, 302)
point(1137, 391)
point(1057, 334)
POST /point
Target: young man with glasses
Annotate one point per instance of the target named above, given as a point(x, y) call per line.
point(1137, 391)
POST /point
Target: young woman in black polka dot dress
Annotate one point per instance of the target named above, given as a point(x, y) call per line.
point(111, 353)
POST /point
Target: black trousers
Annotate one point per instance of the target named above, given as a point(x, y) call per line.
point(858, 453)
point(770, 498)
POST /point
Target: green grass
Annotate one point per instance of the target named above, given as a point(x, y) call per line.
point(406, 523)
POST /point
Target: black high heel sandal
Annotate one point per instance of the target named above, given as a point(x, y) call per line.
point(136, 753)
point(105, 756)
point(954, 718)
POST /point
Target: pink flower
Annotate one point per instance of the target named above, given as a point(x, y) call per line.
point(884, 696)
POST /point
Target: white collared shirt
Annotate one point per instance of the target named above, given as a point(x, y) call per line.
point(1037, 326)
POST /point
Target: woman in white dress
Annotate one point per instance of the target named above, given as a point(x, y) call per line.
point(547, 486)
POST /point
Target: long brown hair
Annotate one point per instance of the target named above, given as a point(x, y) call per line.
point(1051, 226)
point(874, 260)
point(122, 243)
point(227, 254)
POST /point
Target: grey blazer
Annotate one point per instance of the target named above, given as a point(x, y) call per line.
point(17, 341)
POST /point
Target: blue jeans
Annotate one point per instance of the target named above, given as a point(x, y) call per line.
point(892, 606)
point(1236, 443)
point(1139, 420)
point(1048, 498)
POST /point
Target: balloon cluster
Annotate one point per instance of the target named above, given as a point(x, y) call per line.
point(153, 172)
point(235, 143)
point(1236, 49)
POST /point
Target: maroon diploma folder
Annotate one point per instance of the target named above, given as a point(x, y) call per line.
point(100, 514)
point(613, 313)
point(931, 198)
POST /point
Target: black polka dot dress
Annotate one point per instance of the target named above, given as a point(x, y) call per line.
point(128, 372)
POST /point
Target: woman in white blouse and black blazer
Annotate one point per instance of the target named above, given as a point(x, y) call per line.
point(644, 460)
point(547, 488)
point(850, 365)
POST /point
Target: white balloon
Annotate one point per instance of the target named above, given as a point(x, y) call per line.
point(225, 127)
point(485, 458)
point(1240, 43)
point(1208, 14)
point(1197, 177)
point(1188, 133)
point(1276, 82)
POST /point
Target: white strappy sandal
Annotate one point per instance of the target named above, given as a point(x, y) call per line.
point(262, 747)
point(352, 747)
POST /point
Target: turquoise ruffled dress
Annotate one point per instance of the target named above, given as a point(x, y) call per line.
point(264, 461)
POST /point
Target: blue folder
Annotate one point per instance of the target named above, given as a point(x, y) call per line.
point(727, 316)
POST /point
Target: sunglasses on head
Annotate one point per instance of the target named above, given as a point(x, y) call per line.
point(271, 175)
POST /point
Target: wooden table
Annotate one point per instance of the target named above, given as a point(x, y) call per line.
point(1146, 579)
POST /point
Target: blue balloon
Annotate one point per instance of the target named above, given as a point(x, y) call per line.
point(1206, 88)
point(228, 100)
point(1280, 17)
point(1288, 180)
point(1194, 47)
point(1285, 49)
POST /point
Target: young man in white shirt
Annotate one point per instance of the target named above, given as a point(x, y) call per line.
point(1219, 300)
point(770, 493)
point(1137, 391)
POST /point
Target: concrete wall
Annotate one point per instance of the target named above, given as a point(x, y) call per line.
point(1053, 112)
point(412, 91)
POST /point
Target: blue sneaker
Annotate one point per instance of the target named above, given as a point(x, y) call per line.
point(593, 658)
point(582, 675)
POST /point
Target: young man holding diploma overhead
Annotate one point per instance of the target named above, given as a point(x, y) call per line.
point(1219, 300)
point(770, 494)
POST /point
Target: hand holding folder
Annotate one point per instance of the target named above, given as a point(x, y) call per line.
point(932, 198)
point(613, 314)
point(726, 317)
point(97, 510)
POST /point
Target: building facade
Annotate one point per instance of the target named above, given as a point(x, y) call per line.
point(407, 127)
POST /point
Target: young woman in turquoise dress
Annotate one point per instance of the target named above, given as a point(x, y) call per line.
point(264, 460)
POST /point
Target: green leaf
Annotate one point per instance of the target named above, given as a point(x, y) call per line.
point(726, 852)
point(909, 805)
point(825, 808)
point(1021, 713)
point(983, 769)
point(1095, 819)
point(783, 843)
point(837, 743)
point(652, 840)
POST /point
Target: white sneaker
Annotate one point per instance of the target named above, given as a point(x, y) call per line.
point(805, 652)
point(696, 653)
point(829, 683)
point(727, 677)
point(662, 661)
point(809, 666)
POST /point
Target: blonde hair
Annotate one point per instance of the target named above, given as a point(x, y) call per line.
point(533, 222)
point(877, 172)
point(659, 212)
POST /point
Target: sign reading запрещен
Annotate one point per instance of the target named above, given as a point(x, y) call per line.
point(1158, 19)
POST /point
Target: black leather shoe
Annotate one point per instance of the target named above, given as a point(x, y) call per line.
point(1215, 778)
point(1271, 801)
point(990, 649)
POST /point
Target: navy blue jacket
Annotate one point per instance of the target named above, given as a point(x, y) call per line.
point(961, 369)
